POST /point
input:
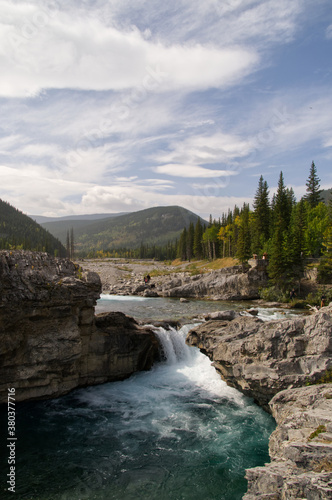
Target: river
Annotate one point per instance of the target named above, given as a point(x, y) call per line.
point(177, 432)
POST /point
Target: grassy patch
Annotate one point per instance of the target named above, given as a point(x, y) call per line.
point(162, 272)
point(124, 268)
point(326, 378)
point(206, 265)
point(319, 430)
point(221, 263)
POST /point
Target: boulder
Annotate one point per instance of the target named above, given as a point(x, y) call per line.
point(228, 315)
point(50, 340)
point(252, 311)
point(150, 293)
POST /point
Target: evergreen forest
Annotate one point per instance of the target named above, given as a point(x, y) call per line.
point(20, 232)
point(280, 229)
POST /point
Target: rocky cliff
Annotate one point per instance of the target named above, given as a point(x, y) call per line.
point(262, 358)
point(229, 283)
point(274, 362)
point(300, 448)
point(50, 339)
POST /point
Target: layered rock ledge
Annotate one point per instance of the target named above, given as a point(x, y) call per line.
point(262, 358)
point(229, 283)
point(274, 362)
point(50, 339)
point(300, 448)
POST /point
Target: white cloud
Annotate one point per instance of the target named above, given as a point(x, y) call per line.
point(84, 53)
point(328, 143)
point(181, 170)
point(329, 32)
point(174, 104)
point(113, 198)
point(210, 149)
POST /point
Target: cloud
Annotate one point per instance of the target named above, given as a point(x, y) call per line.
point(328, 32)
point(84, 53)
point(113, 198)
point(181, 170)
point(207, 149)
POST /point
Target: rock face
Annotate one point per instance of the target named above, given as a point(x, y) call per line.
point(262, 358)
point(50, 339)
point(272, 362)
point(230, 283)
point(300, 448)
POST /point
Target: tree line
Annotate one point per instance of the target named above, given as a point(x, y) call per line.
point(281, 229)
point(20, 232)
point(144, 251)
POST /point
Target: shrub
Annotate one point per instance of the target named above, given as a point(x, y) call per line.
point(273, 294)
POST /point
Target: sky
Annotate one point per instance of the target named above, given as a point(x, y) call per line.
point(121, 105)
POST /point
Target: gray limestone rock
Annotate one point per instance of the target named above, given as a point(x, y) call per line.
point(262, 358)
point(274, 362)
point(232, 283)
point(228, 315)
point(50, 340)
point(300, 448)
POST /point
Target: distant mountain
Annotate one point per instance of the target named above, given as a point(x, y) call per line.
point(18, 231)
point(326, 195)
point(152, 226)
point(41, 219)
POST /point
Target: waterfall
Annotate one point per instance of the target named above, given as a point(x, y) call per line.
point(173, 344)
point(176, 431)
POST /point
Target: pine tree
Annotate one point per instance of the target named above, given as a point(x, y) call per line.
point(294, 243)
point(190, 241)
point(313, 197)
point(278, 260)
point(198, 248)
point(262, 216)
point(182, 247)
point(283, 205)
point(325, 266)
point(244, 241)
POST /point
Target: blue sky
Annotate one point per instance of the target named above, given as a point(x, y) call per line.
point(112, 106)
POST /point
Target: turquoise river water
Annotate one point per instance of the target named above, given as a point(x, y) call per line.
point(177, 432)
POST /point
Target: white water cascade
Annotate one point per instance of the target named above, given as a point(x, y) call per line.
point(176, 432)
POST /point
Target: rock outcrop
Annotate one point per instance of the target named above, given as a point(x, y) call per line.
point(50, 339)
point(300, 448)
point(262, 358)
point(274, 362)
point(229, 283)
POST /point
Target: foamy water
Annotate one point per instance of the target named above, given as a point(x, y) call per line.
point(176, 432)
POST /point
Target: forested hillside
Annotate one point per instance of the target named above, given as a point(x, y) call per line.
point(146, 233)
point(18, 231)
point(285, 230)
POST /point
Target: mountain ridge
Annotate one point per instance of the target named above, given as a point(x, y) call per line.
point(42, 219)
point(152, 226)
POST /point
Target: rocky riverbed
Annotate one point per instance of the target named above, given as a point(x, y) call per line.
point(229, 283)
point(51, 342)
